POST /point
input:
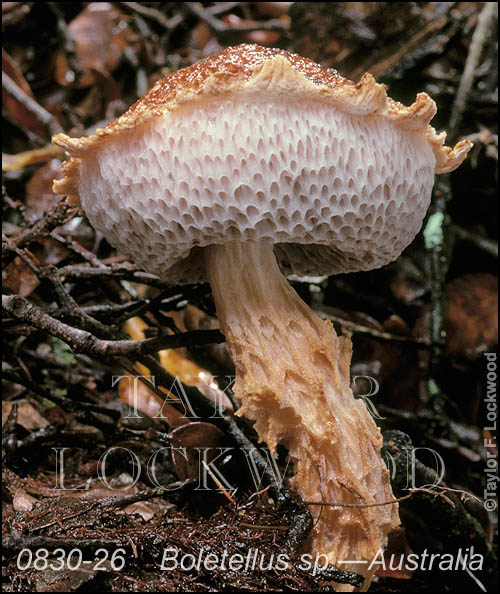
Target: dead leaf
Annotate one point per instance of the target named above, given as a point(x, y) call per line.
point(190, 439)
point(272, 9)
point(49, 252)
point(144, 509)
point(258, 36)
point(39, 195)
point(18, 277)
point(101, 35)
point(174, 361)
point(200, 36)
point(66, 580)
point(23, 502)
point(137, 395)
point(396, 325)
point(471, 316)
point(17, 111)
point(27, 416)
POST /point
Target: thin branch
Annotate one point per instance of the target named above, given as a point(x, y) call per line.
point(55, 216)
point(328, 504)
point(483, 243)
point(154, 14)
point(114, 309)
point(89, 256)
point(434, 494)
point(70, 308)
point(479, 38)
point(379, 334)
point(84, 342)
point(116, 272)
point(429, 489)
point(222, 7)
point(76, 248)
point(221, 28)
point(29, 103)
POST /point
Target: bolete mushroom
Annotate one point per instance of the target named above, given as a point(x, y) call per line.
point(249, 165)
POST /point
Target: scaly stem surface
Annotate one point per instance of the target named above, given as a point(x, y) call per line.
point(292, 380)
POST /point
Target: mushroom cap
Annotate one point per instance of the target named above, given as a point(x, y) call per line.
point(257, 144)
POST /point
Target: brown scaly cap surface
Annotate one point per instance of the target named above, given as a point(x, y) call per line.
point(264, 71)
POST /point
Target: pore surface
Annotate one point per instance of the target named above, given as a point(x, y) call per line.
point(334, 192)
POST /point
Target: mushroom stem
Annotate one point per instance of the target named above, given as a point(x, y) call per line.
point(292, 380)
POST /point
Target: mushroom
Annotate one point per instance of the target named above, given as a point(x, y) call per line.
point(255, 164)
